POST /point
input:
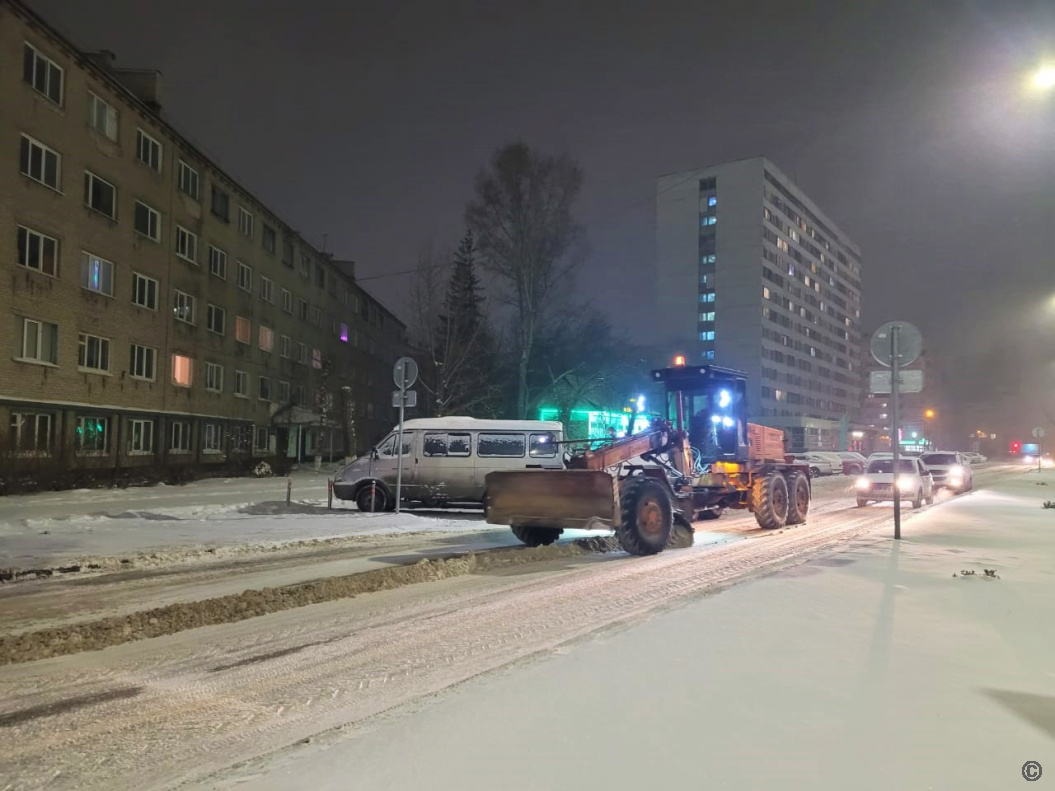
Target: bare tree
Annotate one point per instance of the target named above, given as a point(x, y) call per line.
point(528, 240)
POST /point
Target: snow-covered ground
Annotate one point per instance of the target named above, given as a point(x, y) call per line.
point(217, 518)
point(877, 668)
point(172, 522)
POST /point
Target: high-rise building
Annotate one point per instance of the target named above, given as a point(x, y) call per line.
point(155, 311)
point(752, 275)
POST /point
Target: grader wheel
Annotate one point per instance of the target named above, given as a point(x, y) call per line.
point(798, 498)
point(647, 517)
point(768, 500)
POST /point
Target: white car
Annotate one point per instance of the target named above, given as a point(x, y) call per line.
point(950, 469)
point(974, 458)
point(819, 465)
point(878, 484)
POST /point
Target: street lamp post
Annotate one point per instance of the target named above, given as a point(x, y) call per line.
point(928, 424)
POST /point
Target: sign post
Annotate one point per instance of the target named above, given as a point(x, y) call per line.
point(1038, 434)
point(405, 373)
point(896, 344)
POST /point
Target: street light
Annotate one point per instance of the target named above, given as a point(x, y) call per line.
point(1044, 78)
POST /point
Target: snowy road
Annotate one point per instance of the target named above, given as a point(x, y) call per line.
point(176, 709)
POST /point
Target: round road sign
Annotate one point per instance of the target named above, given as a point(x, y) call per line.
point(405, 372)
point(909, 343)
point(1038, 433)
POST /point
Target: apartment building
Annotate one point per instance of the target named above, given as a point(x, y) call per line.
point(751, 274)
point(155, 311)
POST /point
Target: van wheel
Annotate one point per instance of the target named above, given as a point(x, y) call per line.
point(372, 499)
point(917, 502)
point(536, 536)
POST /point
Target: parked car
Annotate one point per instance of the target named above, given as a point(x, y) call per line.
point(836, 460)
point(879, 484)
point(880, 455)
point(445, 460)
point(853, 462)
point(819, 465)
point(950, 470)
point(974, 458)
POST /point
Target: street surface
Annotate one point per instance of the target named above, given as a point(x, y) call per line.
point(180, 708)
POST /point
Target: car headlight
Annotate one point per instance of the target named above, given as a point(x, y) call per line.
point(905, 484)
point(956, 471)
point(863, 483)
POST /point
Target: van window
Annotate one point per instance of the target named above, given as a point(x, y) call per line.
point(507, 445)
point(542, 446)
point(444, 444)
point(388, 447)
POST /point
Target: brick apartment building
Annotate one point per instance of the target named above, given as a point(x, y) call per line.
point(154, 312)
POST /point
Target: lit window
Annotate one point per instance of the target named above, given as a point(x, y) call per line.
point(38, 252)
point(344, 333)
point(712, 201)
point(182, 370)
point(42, 73)
point(707, 297)
point(40, 163)
point(708, 220)
point(765, 292)
point(92, 434)
point(707, 336)
point(267, 338)
point(243, 330)
point(97, 274)
point(148, 150)
point(102, 117)
point(708, 354)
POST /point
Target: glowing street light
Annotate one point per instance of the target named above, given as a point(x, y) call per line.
point(1044, 78)
point(929, 414)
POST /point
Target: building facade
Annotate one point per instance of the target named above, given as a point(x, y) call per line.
point(154, 310)
point(752, 275)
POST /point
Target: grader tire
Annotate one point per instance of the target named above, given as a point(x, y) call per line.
point(647, 517)
point(536, 536)
point(798, 498)
point(769, 500)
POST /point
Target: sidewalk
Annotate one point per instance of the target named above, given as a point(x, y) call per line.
point(880, 667)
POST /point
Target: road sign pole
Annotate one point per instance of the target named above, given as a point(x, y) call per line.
point(895, 431)
point(399, 445)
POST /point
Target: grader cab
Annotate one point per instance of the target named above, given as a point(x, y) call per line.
point(653, 486)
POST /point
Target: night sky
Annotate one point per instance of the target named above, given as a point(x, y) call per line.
point(908, 122)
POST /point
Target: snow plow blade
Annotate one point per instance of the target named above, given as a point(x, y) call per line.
point(581, 499)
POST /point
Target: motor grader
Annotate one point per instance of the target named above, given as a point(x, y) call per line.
point(653, 486)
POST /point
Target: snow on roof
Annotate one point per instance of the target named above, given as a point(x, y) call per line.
point(477, 424)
